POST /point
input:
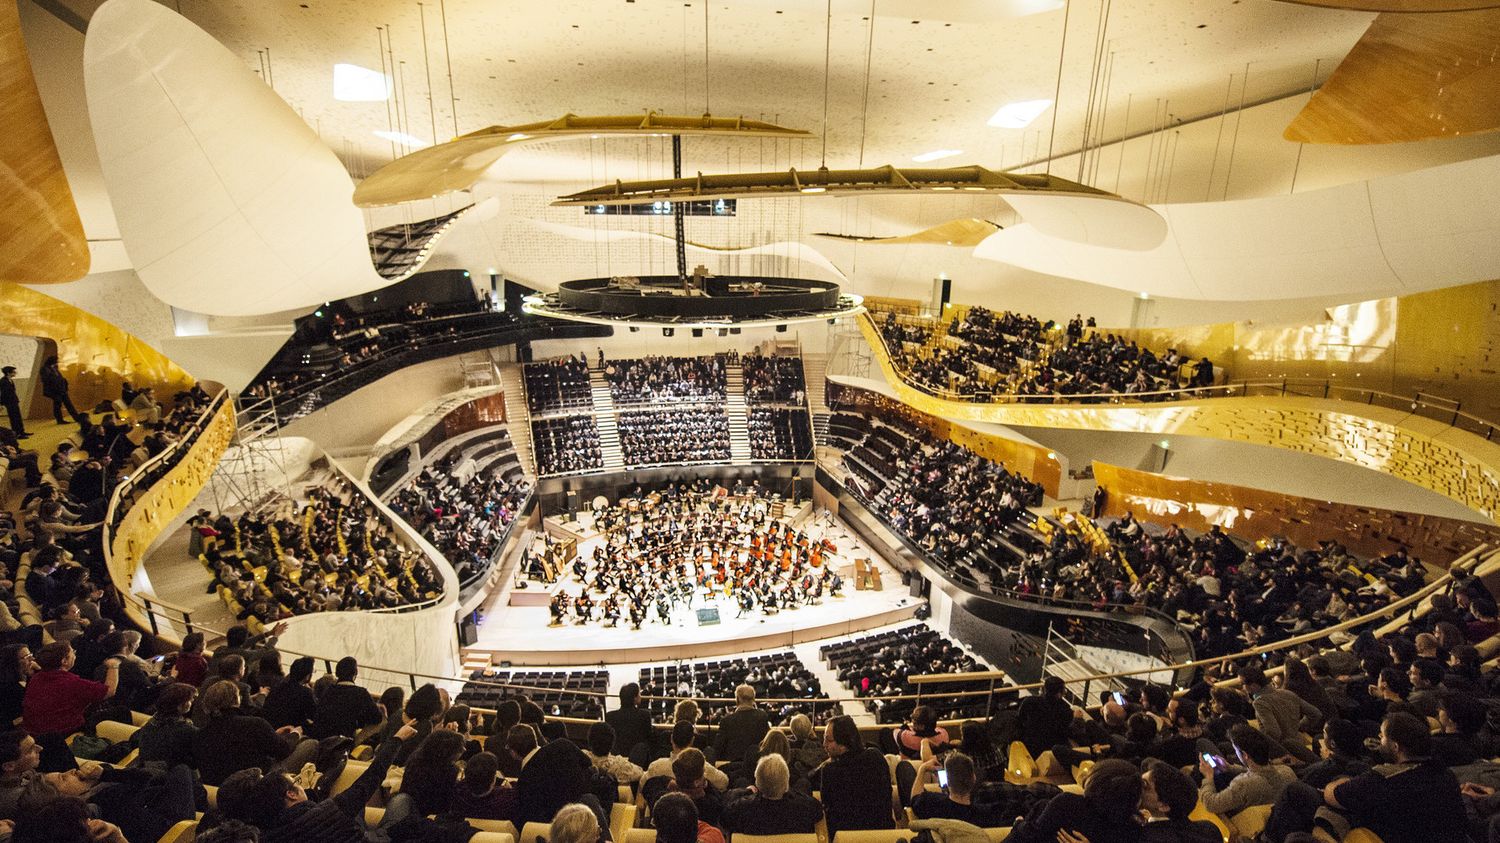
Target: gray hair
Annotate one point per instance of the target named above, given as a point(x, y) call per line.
point(772, 776)
point(802, 726)
point(574, 823)
point(744, 695)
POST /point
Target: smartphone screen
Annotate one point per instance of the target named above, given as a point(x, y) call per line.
point(158, 659)
point(942, 777)
point(1211, 759)
point(1119, 698)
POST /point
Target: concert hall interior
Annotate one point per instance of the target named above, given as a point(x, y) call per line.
point(810, 421)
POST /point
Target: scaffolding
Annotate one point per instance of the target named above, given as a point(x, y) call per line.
point(252, 475)
point(848, 353)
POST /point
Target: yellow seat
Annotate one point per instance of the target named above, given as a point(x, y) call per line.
point(139, 719)
point(637, 835)
point(1249, 822)
point(352, 771)
point(373, 816)
point(1202, 813)
point(997, 835)
point(623, 794)
point(183, 832)
point(114, 732)
point(776, 838)
point(1362, 835)
point(1020, 768)
point(213, 795)
point(491, 837)
point(1048, 766)
point(892, 835)
point(497, 826)
point(621, 819)
point(363, 752)
point(532, 832)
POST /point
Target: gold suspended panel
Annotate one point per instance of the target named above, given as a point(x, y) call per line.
point(460, 163)
point(1410, 78)
point(1257, 514)
point(94, 355)
point(1400, 5)
point(41, 237)
point(968, 232)
point(1432, 454)
point(887, 179)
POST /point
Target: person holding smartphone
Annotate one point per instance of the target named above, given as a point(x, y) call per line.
point(955, 775)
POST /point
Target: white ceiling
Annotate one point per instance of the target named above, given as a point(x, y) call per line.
point(939, 68)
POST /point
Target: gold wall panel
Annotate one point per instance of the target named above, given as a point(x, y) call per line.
point(1459, 465)
point(1410, 78)
point(94, 355)
point(1256, 514)
point(1442, 343)
point(1029, 461)
point(1399, 5)
point(966, 231)
point(154, 508)
point(41, 237)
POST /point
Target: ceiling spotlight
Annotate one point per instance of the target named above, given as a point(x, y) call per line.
point(402, 138)
point(697, 333)
point(352, 83)
point(667, 332)
point(1018, 115)
point(936, 155)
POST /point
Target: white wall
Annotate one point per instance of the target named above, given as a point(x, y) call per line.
point(352, 424)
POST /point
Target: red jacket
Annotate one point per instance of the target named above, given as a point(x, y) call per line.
point(56, 700)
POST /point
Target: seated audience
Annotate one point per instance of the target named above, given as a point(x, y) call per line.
point(769, 806)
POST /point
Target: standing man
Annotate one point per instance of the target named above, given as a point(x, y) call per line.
point(55, 386)
point(12, 401)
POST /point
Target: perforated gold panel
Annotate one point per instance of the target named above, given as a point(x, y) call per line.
point(1255, 514)
point(94, 355)
point(1431, 454)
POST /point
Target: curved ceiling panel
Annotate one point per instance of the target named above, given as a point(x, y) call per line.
point(790, 250)
point(967, 232)
point(1118, 224)
point(1410, 78)
point(1416, 231)
point(43, 237)
point(228, 202)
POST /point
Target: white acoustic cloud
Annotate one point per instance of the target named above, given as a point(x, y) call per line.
point(228, 203)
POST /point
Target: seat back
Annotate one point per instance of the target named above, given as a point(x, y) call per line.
point(621, 819)
point(892, 835)
point(497, 826)
point(776, 838)
point(1362, 835)
point(532, 832)
point(183, 832)
point(1020, 767)
point(1202, 813)
point(997, 835)
point(639, 835)
point(1249, 822)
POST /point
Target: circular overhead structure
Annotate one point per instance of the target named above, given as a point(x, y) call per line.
point(699, 301)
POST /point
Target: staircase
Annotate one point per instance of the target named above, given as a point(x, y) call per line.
point(517, 414)
point(604, 417)
point(815, 372)
point(739, 419)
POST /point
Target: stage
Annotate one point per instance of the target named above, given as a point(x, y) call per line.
point(520, 634)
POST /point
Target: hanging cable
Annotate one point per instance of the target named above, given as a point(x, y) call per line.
point(1238, 118)
point(1311, 87)
point(864, 112)
point(448, 58)
point(1057, 93)
point(706, 109)
point(427, 64)
point(827, 57)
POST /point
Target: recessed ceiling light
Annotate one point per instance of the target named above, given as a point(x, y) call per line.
point(352, 83)
point(936, 154)
point(518, 136)
point(814, 189)
point(1018, 115)
point(402, 138)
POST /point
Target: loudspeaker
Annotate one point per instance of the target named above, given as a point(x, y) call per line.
point(468, 632)
point(572, 501)
point(919, 586)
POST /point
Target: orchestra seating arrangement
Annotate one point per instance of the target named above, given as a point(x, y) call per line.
point(665, 437)
point(466, 501)
point(779, 425)
point(877, 665)
point(331, 552)
point(773, 676)
point(553, 690)
point(560, 385)
point(985, 355)
point(668, 380)
point(565, 444)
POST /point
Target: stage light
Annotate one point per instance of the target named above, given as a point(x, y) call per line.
point(697, 333)
point(723, 332)
point(667, 332)
point(780, 329)
point(635, 329)
point(735, 331)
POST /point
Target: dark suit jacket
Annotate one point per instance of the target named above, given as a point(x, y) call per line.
point(232, 742)
point(856, 789)
point(738, 731)
point(632, 726)
point(556, 775)
point(344, 710)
